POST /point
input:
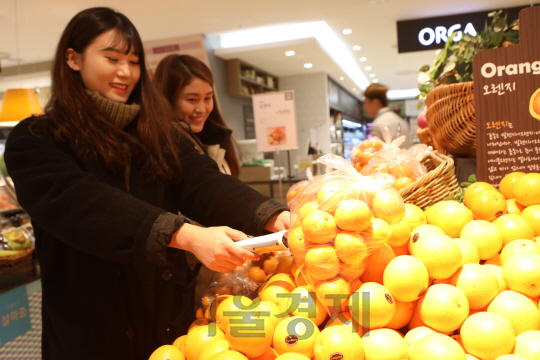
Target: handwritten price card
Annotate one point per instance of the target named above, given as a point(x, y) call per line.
point(275, 121)
point(507, 104)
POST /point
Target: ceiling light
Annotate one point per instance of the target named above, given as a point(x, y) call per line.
point(347, 31)
point(371, 75)
point(363, 59)
point(367, 68)
point(356, 47)
point(342, 78)
point(375, 80)
point(402, 94)
point(289, 53)
point(353, 89)
point(308, 65)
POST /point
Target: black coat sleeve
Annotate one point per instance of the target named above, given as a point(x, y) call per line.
point(73, 206)
point(214, 199)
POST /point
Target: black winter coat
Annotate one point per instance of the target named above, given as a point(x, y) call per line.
point(112, 289)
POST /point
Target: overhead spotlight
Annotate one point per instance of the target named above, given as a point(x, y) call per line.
point(353, 89)
point(356, 47)
point(375, 80)
point(363, 59)
point(289, 53)
point(342, 78)
point(308, 65)
point(371, 75)
point(367, 68)
point(347, 31)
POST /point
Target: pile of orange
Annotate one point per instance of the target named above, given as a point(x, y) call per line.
point(365, 151)
point(440, 283)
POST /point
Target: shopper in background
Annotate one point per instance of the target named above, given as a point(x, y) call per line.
point(188, 85)
point(375, 106)
point(103, 175)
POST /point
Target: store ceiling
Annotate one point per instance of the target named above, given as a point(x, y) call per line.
point(30, 30)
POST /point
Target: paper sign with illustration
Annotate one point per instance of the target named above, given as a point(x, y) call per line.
point(275, 121)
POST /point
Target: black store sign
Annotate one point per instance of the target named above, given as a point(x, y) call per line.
point(432, 33)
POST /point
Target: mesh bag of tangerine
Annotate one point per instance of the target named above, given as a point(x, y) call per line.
point(337, 221)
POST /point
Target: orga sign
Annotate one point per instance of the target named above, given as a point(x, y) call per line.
point(433, 33)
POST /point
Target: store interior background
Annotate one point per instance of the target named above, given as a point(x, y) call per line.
point(265, 31)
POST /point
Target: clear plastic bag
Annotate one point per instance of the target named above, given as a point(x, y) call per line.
point(341, 219)
point(365, 151)
point(403, 164)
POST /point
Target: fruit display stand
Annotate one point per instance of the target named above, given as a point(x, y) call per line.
point(436, 185)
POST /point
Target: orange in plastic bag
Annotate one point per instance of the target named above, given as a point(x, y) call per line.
point(340, 220)
point(365, 151)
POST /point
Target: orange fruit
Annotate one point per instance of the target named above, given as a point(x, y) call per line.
point(519, 310)
point(402, 182)
point(478, 283)
point(196, 323)
point(305, 303)
point(319, 227)
point(527, 344)
point(338, 342)
point(371, 144)
point(284, 265)
point(412, 336)
point(213, 348)
point(527, 189)
point(180, 342)
point(401, 234)
point(384, 344)
point(521, 273)
point(451, 217)
point(402, 315)
point(401, 250)
point(256, 274)
point(250, 332)
point(514, 207)
point(198, 338)
point(406, 278)
point(372, 306)
point(388, 205)
point(377, 233)
point(532, 215)
point(517, 246)
point(298, 245)
point(421, 231)
point(350, 247)
point(437, 346)
point(353, 215)
point(497, 271)
point(322, 262)
point(414, 216)
point(307, 208)
point(488, 205)
point(275, 290)
point(506, 186)
point(296, 335)
point(376, 263)
point(495, 260)
point(469, 252)
point(481, 331)
point(167, 352)
point(485, 236)
point(269, 354)
point(416, 320)
point(514, 227)
point(333, 294)
point(351, 273)
point(270, 264)
point(331, 194)
point(228, 355)
point(269, 310)
point(228, 306)
point(473, 189)
point(292, 356)
point(428, 213)
point(444, 307)
point(439, 253)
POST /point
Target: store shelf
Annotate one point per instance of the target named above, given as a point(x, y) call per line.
point(246, 80)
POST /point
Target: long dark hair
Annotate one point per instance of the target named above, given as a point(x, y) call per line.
point(175, 72)
point(71, 115)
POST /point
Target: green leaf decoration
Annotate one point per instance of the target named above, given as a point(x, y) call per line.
point(496, 38)
point(424, 68)
point(472, 178)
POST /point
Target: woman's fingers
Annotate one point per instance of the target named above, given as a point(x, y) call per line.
point(233, 234)
point(242, 253)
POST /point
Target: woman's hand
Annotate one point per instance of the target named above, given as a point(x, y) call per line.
point(213, 246)
point(278, 222)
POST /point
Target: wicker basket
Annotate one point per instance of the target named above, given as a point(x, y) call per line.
point(437, 184)
point(450, 115)
point(15, 269)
